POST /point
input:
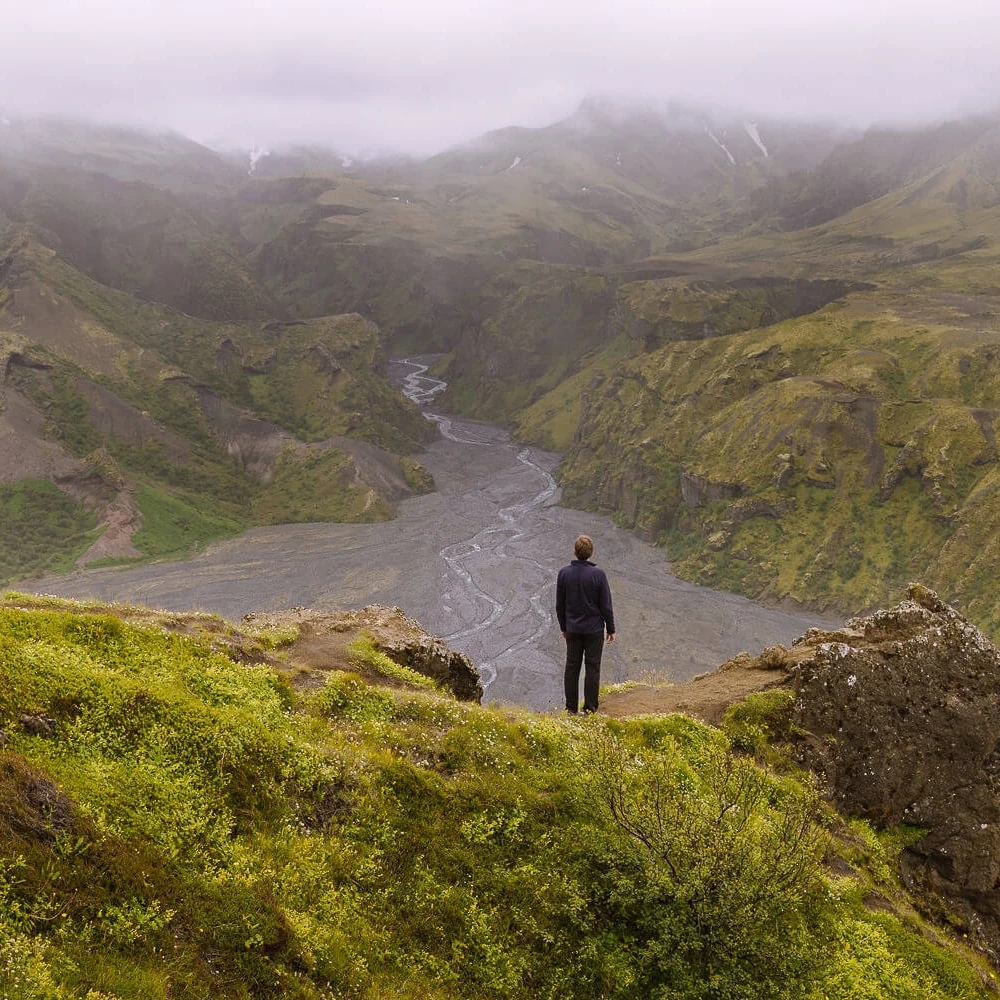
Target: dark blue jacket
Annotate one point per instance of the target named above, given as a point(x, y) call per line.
point(583, 599)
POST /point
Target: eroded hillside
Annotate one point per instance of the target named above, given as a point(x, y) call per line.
point(160, 431)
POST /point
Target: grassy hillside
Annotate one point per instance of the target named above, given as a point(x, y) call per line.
point(169, 431)
point(179, 820)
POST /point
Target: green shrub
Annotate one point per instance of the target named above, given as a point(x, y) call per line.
point(347, 696)
point(717, 871)
point(759, 719)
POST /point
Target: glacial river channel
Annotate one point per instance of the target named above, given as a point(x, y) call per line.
point(475, 562)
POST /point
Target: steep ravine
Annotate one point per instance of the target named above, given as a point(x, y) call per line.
point(475, 562)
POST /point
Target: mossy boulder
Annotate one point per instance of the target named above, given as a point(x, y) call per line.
point(901, 711)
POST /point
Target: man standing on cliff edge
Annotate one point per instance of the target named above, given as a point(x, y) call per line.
point(583, 607)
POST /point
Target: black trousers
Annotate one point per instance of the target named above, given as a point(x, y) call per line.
point(578, 648)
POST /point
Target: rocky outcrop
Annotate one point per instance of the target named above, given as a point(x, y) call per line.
point(697, 490)
point(431, 657)
point(902, 712)
point(121, 519)
point(324, 643)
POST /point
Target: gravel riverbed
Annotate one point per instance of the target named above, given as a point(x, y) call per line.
point(475, 562)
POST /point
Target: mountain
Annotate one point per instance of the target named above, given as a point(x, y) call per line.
point(800, 414)
point(166, 160)
point(769, 345)
point(162, 431)
point(431, 249)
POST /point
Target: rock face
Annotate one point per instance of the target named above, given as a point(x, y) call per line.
point(430, 656)
point(903, 715)
point(324, 640)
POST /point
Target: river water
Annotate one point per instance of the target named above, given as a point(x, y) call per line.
point(475, 562)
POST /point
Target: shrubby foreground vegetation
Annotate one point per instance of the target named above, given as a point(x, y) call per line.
point(178, 820)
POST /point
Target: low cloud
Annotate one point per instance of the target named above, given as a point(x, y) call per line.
point(400, 74)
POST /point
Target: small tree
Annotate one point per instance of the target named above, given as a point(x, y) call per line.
point(715, 865)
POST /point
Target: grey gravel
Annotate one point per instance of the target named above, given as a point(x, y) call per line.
point(475, 563)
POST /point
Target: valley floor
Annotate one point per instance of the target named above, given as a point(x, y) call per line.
point(474, 562)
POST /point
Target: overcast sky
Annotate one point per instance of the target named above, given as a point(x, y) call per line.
point(421, 74)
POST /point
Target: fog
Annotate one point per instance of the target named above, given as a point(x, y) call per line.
point(417, 75)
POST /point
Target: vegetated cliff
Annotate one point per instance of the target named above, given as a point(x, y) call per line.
point(822, 460)
point(544, 323)
point(279, 809)
point(163, 431)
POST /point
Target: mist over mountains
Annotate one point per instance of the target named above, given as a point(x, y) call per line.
point(769, 345)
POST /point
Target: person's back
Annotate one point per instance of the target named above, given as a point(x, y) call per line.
point(584, 611)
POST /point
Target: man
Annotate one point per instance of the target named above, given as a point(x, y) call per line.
point(583, 607)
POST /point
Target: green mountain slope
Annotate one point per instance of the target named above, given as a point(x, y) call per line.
point(172, 430)
point(769, 345)
point(825, 459)
point(178, 821)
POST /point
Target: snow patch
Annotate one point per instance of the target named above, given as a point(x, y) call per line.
point(346, 162)
point(711, 135)
point(5, 121)
point(257, 153)
point(517, 160)
point(751, 128)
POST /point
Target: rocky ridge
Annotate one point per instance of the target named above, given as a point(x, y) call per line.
point(323, 639)
point(902, 712)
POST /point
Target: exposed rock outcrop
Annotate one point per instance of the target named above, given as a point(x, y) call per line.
point(899, 715)
point(902, 709)
point(432, 657)
point(697, 490)
point(324, 639)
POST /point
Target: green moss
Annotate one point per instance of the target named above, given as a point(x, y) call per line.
point(366, 657)
point(875, 957)
point(760, 719)
point(173, 524)
point(190, 827)
point(42, 529)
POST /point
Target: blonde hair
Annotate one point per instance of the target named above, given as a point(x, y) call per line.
point(583, 547)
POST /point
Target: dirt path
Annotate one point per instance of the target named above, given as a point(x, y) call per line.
point(705, 698)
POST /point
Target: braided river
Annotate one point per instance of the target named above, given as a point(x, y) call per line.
point(475, 562)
